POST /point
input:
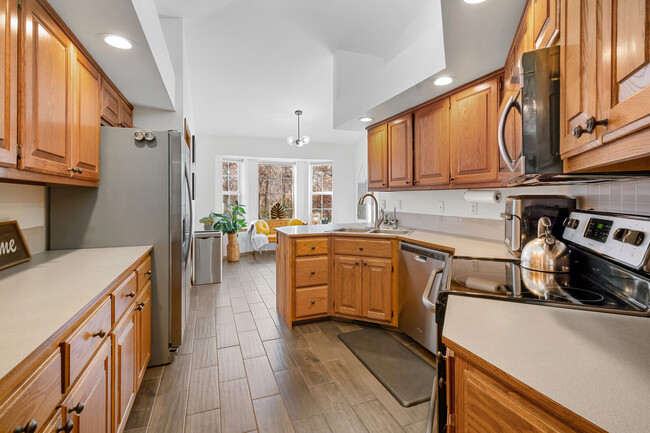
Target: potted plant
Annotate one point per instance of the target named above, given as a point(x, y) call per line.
point(208, 222)
point(231, 223)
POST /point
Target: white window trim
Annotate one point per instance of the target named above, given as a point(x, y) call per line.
point(240, 169)
point(311, 186)
point(292, 164)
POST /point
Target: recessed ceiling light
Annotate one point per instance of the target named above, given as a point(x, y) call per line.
point(473, 2)
point(118, 42)
point(365, 119)
point(443, 81)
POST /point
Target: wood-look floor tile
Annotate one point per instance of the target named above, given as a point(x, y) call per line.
point(239, 305)
point(272, 416)
point(154, 372)
point(325, 348)
point(312, 369)
point(295, 392)
point(176, 376)
point(205, 353)
point(143, 404)
point(237, 409)
point(278, 355)
point(205, 328)
point(314, 424)
point(222, 300)
point(376, 418)
point(224, 315)
point(205, 308)
point(418, 427)
point(231, 364)
point(136, 430)
point(260, 377)
point(307, 328)
point(205, 422)
point(348, 382)
point(269, 300)
point(337, 411)
point(204, 390)
point(227, 335)
point(267, 329)
point(168, 415)
point(188, 342)
point(236, 292)
point(244, 322)
point(252, 296)
point(251, 345)
point(259, 310)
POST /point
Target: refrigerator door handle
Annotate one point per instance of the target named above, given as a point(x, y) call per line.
point(189, 192)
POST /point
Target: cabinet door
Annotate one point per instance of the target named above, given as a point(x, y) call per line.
point(378, 157)
point(474, 152)
point(347, 285)
point(93, 390)
point(126, 115)
point(143, 321)
point(46, 93)
point(377, 289)
point(544, 18)
point(627, 69)
point(431, 145)
point(110, 104)
point(126, 365)
point(400, 151)
point(9, 83)
point(85, 120)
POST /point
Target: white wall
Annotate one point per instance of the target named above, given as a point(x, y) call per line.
point(26, 204)
point(210, 148)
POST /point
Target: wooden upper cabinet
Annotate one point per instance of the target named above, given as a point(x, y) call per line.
point(545, 29)
point(431, 144)
point(46, 94)
point(110, 104)
point(85, 124)
point(474, 153)
point(378, 157)
point(377, 289)
point(347, 285)
point(126, 115)
point(400, 151)
point(9, 85)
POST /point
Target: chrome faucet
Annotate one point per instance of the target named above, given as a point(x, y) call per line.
point(377, 220)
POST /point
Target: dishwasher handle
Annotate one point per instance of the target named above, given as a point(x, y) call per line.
point(429, 287)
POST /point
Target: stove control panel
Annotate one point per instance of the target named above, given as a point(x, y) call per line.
point(623, 238)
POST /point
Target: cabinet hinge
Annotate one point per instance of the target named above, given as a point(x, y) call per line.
point(19, 152)
point(392, 268)
point(20, 4)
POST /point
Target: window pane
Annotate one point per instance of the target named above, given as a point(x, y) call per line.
point(327, 213)
point(225, 183)
point(224, 168)
point(327, 201)
point(287, 172)
point(316, 201)
point(233, 169)
point(275, 186)
point(233, 184)
point(317, 183)
point(327, 183)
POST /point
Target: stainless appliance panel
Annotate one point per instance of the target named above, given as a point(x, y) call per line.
point(421, 270)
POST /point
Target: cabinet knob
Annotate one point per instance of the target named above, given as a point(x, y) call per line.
point(356, 262)
point(100, 334)
point(383, 184)
point(74, 170)
point(313, 247)
point(313, 272)
point(77, 409)
point(148, 273)
point(365, 263)
point(407, 182)
point(79, 171)
point(360, 248)
point(589, 127)
point(130, 295)
point(140, 306)
point(30, 427)
point(67, 428)
point(313, 302)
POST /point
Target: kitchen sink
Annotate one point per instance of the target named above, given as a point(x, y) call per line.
point(390, 231)
point(352, 230)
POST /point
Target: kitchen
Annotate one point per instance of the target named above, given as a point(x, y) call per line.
point(471, 242)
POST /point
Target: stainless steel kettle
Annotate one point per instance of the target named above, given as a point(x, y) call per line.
point(545, 254)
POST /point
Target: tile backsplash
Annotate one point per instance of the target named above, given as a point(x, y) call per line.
point(630, 197)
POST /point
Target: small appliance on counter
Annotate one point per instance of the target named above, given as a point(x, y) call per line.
point(522, 216)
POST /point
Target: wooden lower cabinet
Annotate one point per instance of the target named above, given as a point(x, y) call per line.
point(482, 398)
point(347, 286)
point(143, 329)
point(89, 404)
point(125, 355)
point(377, 289)
point(58, 423)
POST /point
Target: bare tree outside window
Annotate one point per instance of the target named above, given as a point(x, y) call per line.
point(275, 186)
point(230, 175)
point(321, 190)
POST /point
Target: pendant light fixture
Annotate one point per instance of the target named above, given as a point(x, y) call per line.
point(301, 140)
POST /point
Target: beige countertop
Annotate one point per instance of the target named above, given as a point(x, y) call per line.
point(461, 246)
point(41, 296)
point(595, 364)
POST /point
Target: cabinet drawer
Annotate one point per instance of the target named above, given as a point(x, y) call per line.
point(36, 399)
point(80, 346)
point(144, 273)
point(311, 271)
point(363, 247)
point(311, 301)
point(56, 422)
point(311, 246)
point(124, 296)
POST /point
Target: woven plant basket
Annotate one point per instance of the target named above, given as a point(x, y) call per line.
point(232, 250)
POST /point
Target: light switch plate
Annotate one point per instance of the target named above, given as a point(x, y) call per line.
point(441, 206)
point(473, 208)
point(399, 204)
point(383, 204)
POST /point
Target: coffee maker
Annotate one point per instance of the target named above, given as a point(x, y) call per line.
point(522, 215)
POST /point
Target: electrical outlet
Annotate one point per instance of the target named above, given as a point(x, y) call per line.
point(441, 206)
point(383, 204)
point(399, 204)
point(473, 208)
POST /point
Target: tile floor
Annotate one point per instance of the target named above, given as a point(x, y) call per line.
point(241, 370)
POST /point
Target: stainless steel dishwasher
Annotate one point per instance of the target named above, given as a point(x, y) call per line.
point(421, 271)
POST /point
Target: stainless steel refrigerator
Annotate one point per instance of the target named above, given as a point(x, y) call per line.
point(143, 198)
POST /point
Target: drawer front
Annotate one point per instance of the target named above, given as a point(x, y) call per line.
point(311, 301)
point(363, 247)
point(311, 246)
point(124, 296)
point(311, 271)
point(80, 346)
point(143, 272)
point(36, 399)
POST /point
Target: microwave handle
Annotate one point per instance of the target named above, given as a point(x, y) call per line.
point(513, 101)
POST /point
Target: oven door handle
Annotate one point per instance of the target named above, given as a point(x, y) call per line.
point(429, 287)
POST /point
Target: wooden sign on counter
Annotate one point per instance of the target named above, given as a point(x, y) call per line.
point(13, 249)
